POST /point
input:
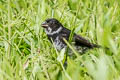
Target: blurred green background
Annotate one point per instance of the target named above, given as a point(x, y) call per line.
point(26, 53)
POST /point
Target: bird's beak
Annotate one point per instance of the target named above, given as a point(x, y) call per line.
point(44, 24)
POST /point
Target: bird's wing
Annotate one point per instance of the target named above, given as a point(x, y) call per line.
point(65, 33)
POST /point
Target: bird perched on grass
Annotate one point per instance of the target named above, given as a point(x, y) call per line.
point(56, 32)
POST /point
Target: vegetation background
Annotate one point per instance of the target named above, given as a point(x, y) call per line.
point(26, 53)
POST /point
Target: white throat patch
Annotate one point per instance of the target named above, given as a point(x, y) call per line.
point(50, 32)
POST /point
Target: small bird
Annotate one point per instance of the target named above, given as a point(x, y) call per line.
point(56, 32)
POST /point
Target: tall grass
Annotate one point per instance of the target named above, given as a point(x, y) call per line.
point(26, 53)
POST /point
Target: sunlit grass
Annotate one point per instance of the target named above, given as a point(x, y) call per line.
point(26, 53)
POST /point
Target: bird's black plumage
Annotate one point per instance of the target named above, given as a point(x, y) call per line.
point(56, 31)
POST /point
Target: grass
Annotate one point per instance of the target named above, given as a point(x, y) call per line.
point(26, 53)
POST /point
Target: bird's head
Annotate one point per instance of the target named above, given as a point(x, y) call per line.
point(52, 25)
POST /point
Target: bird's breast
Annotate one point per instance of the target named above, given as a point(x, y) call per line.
point(59, 44)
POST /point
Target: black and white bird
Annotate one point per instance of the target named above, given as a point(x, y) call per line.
point(56, 32)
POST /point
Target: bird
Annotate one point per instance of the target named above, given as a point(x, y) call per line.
point(56, 34)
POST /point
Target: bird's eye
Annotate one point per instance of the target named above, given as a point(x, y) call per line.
point(49, 22)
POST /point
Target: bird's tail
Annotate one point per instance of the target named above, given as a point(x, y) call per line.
point(95, 46)
point(99, 46)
